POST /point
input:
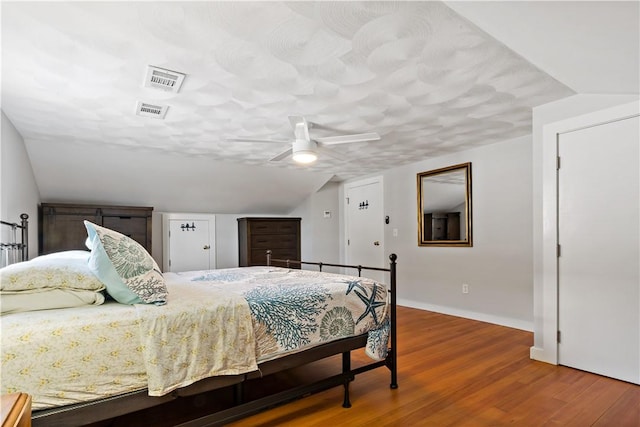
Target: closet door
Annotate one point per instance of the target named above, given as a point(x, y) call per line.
point(598, 264)
point(364, 225)
point(189, 242)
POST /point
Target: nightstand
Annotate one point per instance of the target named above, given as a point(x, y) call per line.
point(15, 410)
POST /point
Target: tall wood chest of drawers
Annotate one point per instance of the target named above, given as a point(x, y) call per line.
point(256, 235)
point(61, 225)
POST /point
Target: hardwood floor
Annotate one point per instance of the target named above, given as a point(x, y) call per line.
point(451, 372)
point(460, 372)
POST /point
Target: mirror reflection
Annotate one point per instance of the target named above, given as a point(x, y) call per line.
point(444, 206)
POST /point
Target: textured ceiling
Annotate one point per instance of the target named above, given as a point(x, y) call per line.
point(591, 46)
point(428, 81)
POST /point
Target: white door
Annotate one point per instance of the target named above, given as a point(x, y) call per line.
point(189, 242)
point(598, 265)
point(365, 227)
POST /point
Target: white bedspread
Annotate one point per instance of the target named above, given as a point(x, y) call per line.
point(200, 332)
point(72, 355)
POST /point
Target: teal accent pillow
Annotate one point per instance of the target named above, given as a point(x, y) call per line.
point(129, 273)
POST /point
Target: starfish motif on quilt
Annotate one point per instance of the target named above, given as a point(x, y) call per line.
point(351, 284)
point(370, 304)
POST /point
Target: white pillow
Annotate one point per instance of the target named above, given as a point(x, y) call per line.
point(60, 270)
point(16, 302)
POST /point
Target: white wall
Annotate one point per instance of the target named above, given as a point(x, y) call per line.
point(498, 268)
point(18, 188)
point(319, 234)
point(544, 181)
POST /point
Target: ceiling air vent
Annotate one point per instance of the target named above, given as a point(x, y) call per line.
point(160, 78)
point(151, 110)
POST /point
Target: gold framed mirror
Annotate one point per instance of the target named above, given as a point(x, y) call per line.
point(444, 206)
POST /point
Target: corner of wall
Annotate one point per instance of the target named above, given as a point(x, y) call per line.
point(18, 188)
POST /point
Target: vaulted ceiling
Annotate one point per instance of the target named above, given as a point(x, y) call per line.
point(430, 78)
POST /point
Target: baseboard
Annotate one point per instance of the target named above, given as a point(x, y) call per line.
point(538, 353)
point(483, 317)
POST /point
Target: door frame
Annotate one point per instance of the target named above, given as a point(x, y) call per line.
point(347, 187)
point(550, 135)
point(167, 217)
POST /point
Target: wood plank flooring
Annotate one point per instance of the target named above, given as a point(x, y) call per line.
point(460, 372)
point(451, 372)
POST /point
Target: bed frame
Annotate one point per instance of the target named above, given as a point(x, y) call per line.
point(13, 250)
point(109, 408)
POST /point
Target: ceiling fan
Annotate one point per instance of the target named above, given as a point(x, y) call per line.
point(303, 148)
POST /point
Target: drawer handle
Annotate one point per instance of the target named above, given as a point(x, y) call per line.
point(206, 247)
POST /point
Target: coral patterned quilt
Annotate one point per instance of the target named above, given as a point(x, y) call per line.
point(296, 309)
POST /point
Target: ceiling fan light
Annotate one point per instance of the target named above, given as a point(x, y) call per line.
point(305, 157)
point(304, 151)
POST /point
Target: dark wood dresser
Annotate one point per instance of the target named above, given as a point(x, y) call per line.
point(256, 235)
point(61, 226)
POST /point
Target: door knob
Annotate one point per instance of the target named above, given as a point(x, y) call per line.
point(206, 247)
point(376, 243)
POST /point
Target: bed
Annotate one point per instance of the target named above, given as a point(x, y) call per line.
point(96, 359)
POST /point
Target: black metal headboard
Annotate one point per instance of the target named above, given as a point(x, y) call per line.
point(15, 250)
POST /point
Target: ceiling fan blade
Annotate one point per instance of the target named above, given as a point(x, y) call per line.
point(256, 140)
point(345, 139)
point(282, 155)
point(300, 127)
point(329, 153)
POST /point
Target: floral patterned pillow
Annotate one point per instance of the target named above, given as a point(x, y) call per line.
point(130, 274)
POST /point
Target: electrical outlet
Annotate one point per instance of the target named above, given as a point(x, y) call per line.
point(465, 288)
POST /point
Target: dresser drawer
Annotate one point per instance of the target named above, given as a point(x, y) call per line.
point(273, 227)
point(274, 241)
